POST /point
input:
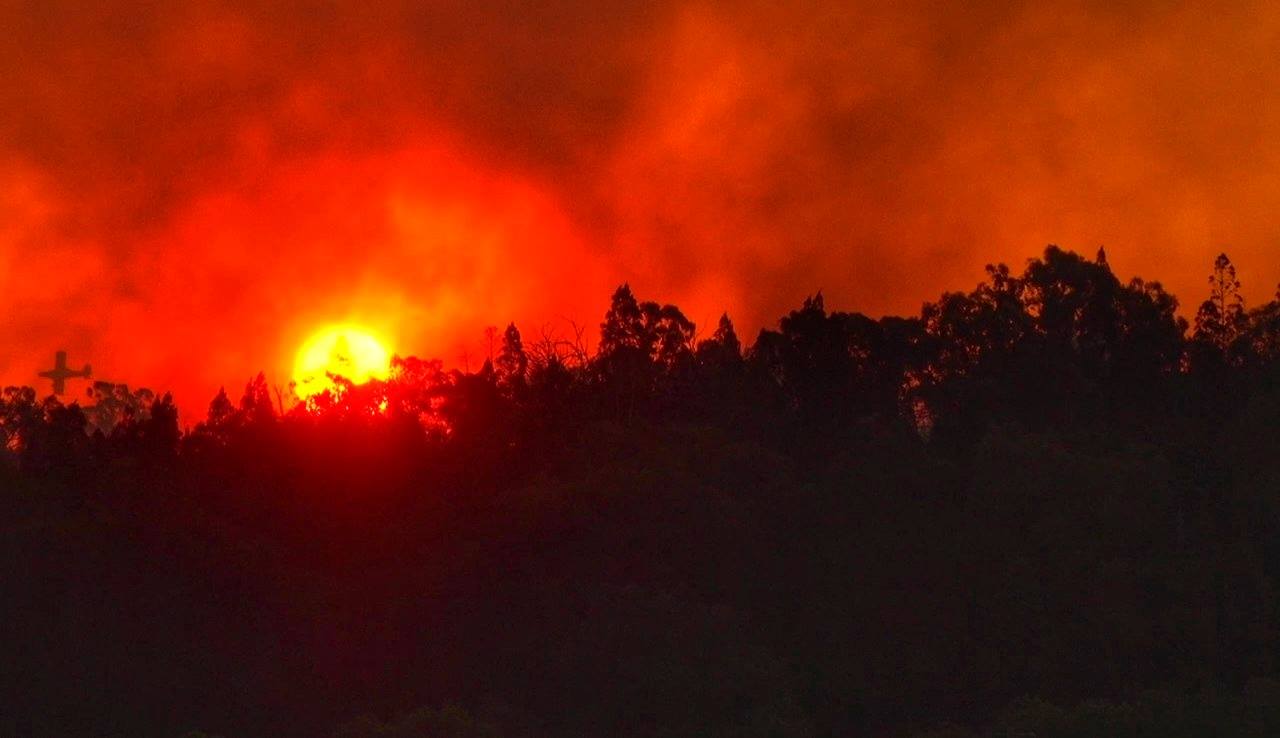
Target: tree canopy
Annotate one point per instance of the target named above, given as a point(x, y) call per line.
point(1046, 504)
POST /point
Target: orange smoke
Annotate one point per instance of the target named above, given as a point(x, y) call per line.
point(421, 246)
point(188, 191)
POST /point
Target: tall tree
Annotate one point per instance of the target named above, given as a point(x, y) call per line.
point(1221, 318)
point(667, 334)
point(256, 402)
point(623, 326)
point(723, 348)
point(512, 362)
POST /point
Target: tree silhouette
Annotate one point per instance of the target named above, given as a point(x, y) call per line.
point(20, 417)
point(723, 347)
point(623, 326)
point(1033, 507)
point(256, 404)
point(116, 404)
point(512, 363)
point(1221, 317)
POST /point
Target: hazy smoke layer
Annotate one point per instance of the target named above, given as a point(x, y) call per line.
point(188, 189)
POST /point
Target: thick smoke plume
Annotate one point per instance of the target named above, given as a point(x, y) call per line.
point(188, 189)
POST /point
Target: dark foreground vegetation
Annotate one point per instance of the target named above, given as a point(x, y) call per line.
point(1045, 507)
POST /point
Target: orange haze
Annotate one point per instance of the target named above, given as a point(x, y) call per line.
point(188, 190)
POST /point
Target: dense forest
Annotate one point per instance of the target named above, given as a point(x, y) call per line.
point(1048, 506)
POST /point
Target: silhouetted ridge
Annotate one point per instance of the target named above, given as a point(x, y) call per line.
point(1044, 506)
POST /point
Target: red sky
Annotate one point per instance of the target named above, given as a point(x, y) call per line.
point(188, 189)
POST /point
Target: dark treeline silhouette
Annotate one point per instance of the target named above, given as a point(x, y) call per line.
point(1046, 506)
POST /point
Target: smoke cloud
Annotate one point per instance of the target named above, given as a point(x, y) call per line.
point(188, 189)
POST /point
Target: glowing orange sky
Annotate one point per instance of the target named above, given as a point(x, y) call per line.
point(187, 190)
